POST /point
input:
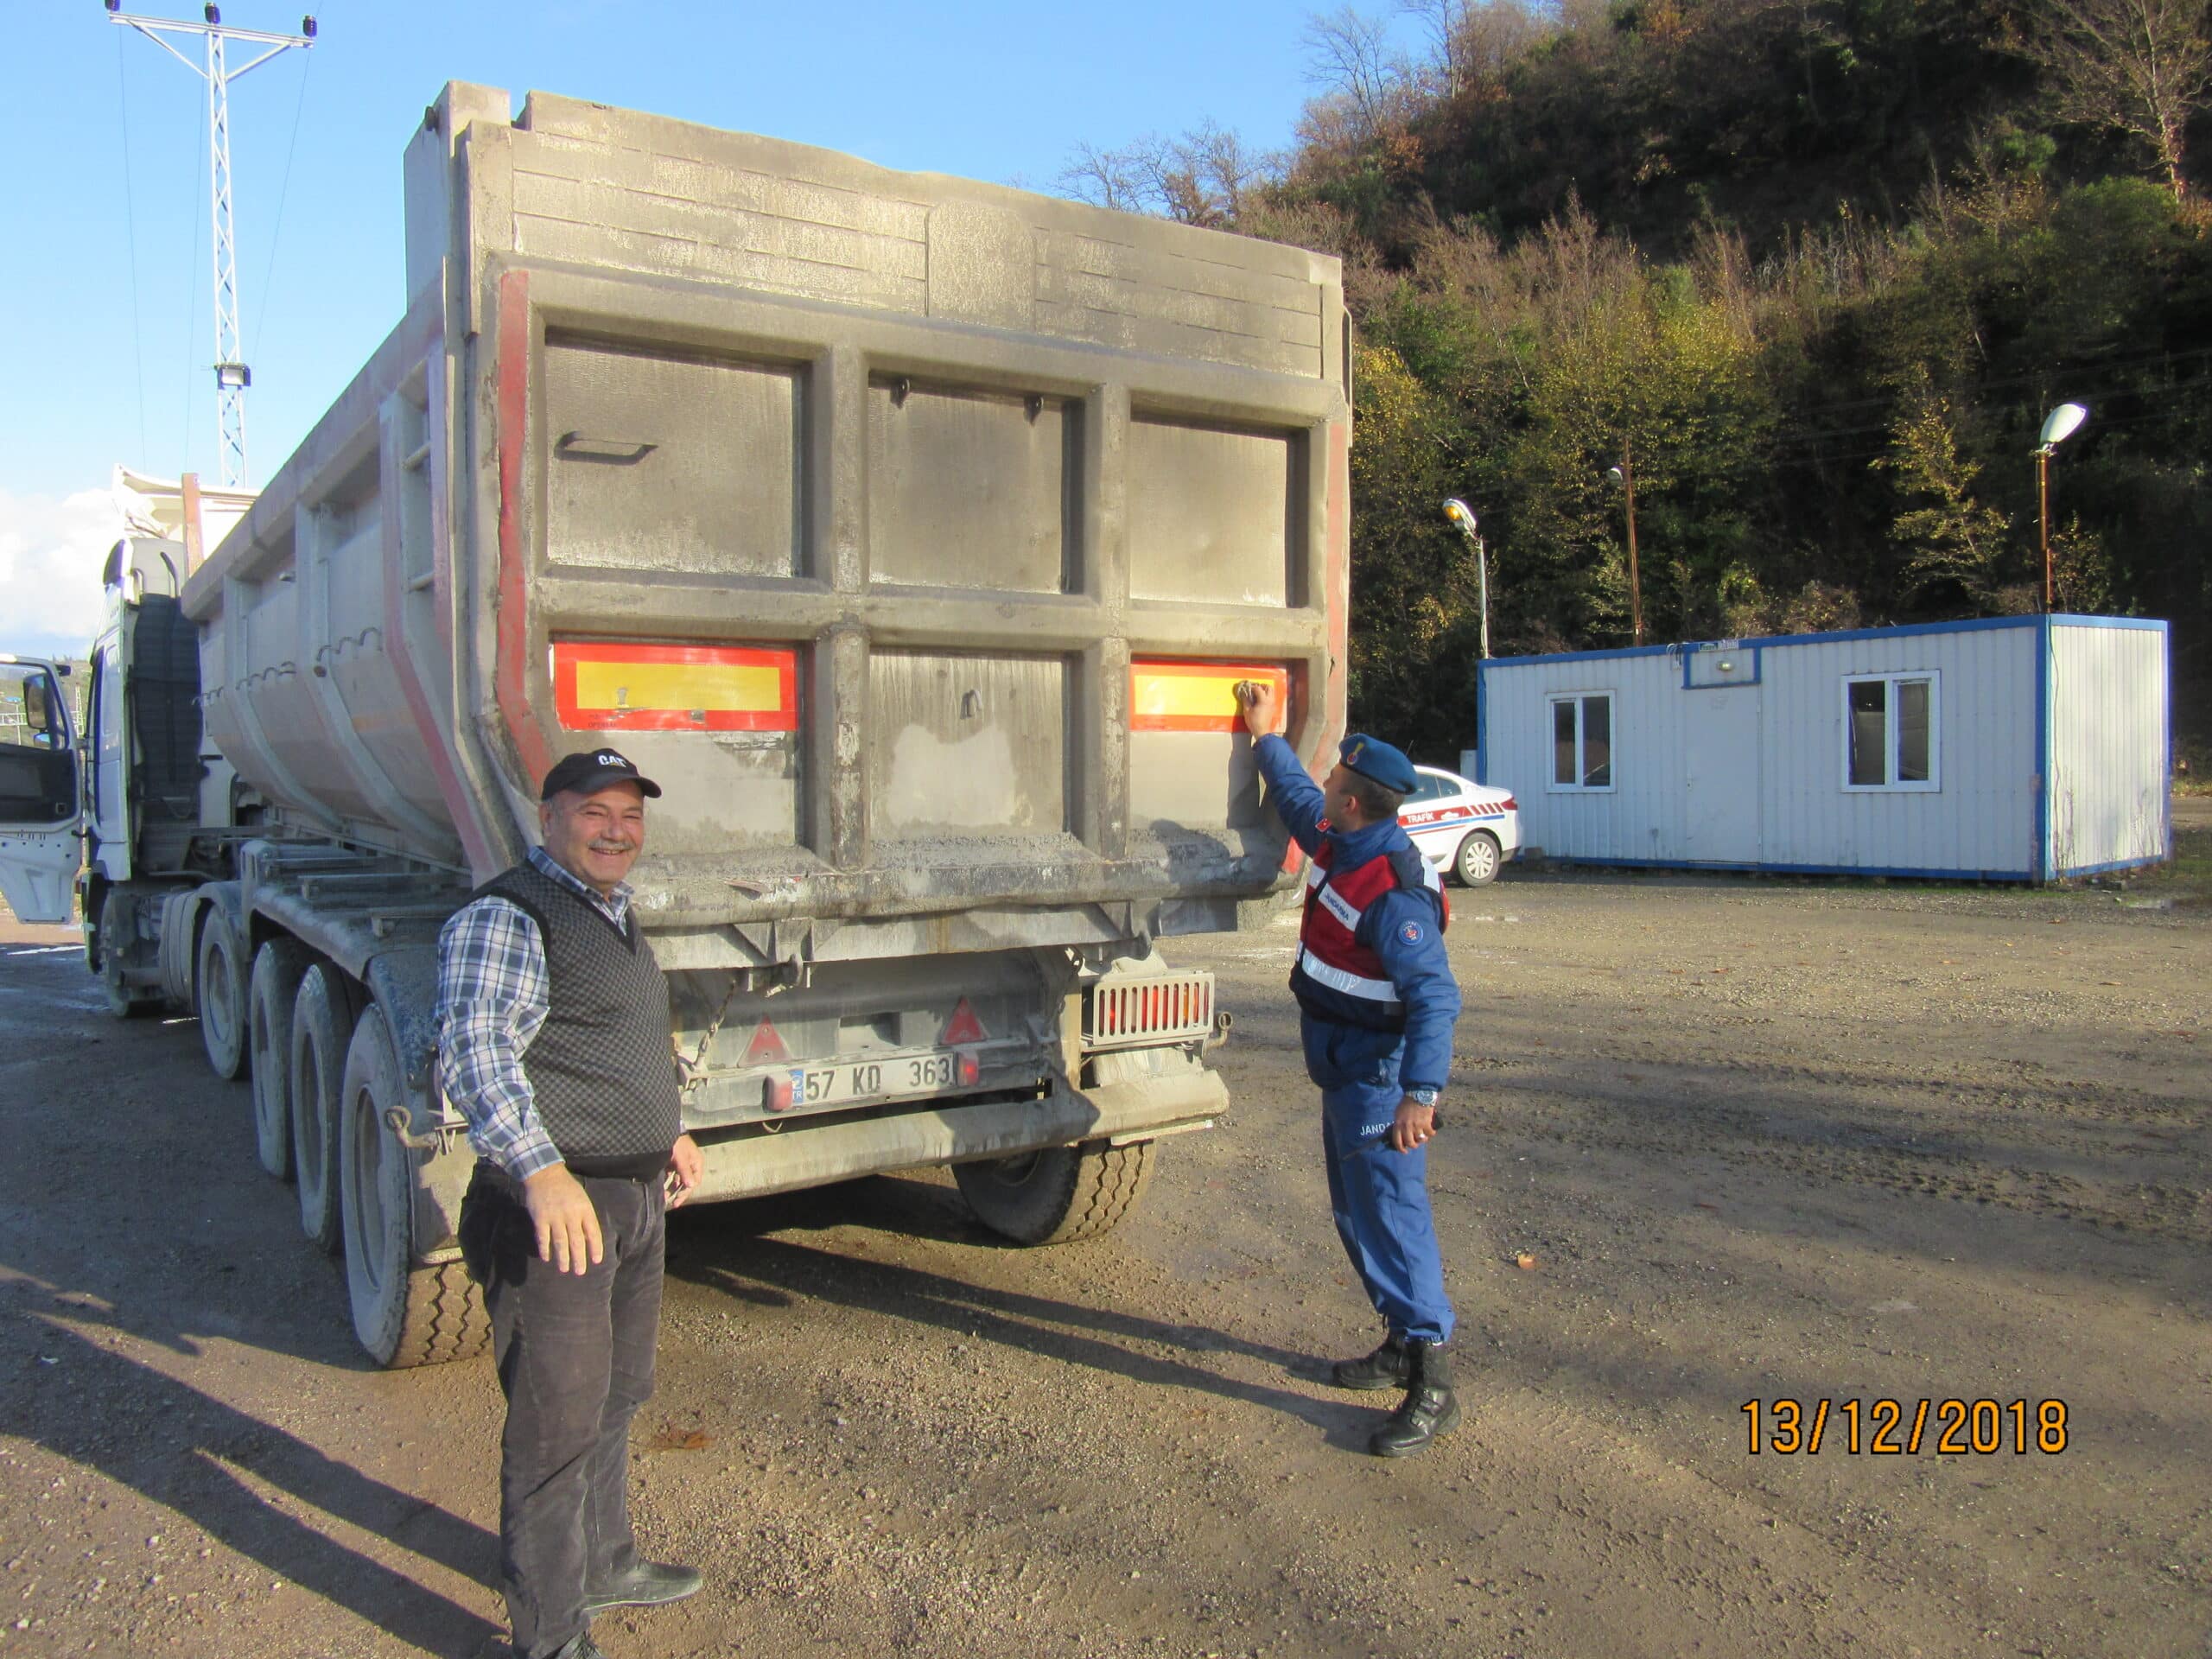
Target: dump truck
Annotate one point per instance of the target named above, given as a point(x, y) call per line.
point(911, 531)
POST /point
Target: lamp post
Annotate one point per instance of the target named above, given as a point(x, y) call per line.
point(1456, 510)
point(1625, 475)
point(2057, 426)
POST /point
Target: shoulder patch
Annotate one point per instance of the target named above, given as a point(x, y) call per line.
point(1410, 933)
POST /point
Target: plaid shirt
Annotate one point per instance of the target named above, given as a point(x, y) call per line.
point(492, 1001)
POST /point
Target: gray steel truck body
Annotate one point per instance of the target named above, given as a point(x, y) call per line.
point(910, 531)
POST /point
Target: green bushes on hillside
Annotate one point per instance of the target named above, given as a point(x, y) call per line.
point(1812, 274)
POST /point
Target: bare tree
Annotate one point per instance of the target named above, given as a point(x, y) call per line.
point(1491, 37)
point(1105, 178)
point(1204, 177)
point(1348, 54)
point(2138, 67)
point(1471, 41)
point(1444, 22)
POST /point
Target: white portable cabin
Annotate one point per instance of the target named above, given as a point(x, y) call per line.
point(2007, 749)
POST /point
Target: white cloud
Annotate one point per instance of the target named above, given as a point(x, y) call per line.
point(51, 551)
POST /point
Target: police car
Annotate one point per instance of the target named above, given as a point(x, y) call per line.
point(1468, 829)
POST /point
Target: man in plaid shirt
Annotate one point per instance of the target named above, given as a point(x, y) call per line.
point(555, 1044)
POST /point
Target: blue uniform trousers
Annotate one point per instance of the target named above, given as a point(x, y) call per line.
point(1381, 1200)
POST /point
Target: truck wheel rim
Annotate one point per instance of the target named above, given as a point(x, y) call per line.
point(1016, 1171)
point(215, 999)
point(368, 1187)
point(263, 1044)
point(308, 1126)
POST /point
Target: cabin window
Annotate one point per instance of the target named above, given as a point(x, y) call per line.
point(1582, 742)
point(1890, 732)
point(38, 774)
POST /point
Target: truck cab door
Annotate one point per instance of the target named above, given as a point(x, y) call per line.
point(40, 802)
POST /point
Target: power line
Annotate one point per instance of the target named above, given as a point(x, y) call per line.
point(131, 224)
point(1815, 436)
point(2104, 423)
point(283, 193)
point(192, 298)
point(2003, 382)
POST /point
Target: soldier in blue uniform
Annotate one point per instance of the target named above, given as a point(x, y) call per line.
point(1377, 1004)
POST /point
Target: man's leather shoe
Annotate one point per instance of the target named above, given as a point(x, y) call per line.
point(1428, 1409)
point(647, 1584)
point(1388, 1367)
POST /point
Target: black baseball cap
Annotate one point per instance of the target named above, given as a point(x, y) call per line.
point(592, 771)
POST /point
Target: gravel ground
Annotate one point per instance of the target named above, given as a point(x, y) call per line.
point(1754, 1141)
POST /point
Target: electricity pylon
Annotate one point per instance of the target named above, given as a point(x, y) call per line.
point(232, 376)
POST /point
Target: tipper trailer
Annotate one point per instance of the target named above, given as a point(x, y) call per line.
point(910, 531)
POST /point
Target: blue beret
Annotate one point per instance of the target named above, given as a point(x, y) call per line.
point(1373, 758)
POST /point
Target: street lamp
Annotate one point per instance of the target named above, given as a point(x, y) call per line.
point(1625, 475)
point(2057, 426)
point(1457, 512)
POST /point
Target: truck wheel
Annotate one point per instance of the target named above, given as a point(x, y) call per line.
point(405, 1315)
point(270, 993)
point(220, 986)
point(118, 941)
point(1058, 1195)
point(322, 1028)
point(1478, 861)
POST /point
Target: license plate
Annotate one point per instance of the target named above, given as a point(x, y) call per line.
point(906, 1074)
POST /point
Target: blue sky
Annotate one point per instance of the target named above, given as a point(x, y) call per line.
point(106, 280)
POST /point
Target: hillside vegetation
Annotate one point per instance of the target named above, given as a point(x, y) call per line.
point(1811, 273)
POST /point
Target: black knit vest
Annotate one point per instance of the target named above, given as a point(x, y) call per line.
point(602, 1067)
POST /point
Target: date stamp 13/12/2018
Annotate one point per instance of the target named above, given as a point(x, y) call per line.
point(1904, 1429)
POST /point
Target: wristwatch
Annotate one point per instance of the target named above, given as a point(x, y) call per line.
point(1421, 1096)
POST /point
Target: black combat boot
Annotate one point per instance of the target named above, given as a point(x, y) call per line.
point(1388, 1367)
point(1428, 1409)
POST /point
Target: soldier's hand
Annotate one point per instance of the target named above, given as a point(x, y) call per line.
point(1413, 1126)
point(687, 1167)
point(1260, 705)
point(566, 1222)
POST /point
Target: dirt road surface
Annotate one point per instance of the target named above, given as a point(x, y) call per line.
point(1759, 1142)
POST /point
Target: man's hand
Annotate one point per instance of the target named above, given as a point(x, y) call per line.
point(1260, 705)
point(567, 1223)
point(1413, 1126)
point(687, 1167)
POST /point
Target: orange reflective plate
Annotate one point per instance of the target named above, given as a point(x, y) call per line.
point(1194, 696)
point(600, 685)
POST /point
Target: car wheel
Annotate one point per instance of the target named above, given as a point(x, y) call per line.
point(1478, 859)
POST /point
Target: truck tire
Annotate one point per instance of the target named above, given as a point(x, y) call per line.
point(404, 1315)
point(1058, 1195)
point(219, 982)
point(1478, 861)
point(322, 1029)
point(118, 942)
point(273, 989)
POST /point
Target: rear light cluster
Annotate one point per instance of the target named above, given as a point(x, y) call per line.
point(1510, 805)
point(1130, 1014)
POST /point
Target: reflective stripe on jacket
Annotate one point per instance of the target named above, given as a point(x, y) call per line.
point(1400, 926)
point(1339, 975)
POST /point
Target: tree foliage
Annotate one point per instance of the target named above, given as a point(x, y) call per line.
point(2142, 68)
point(1817, 270)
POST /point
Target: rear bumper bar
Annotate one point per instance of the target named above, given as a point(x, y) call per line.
point(802, 1157)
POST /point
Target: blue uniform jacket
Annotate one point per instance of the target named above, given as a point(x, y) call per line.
point(1337, 1056)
